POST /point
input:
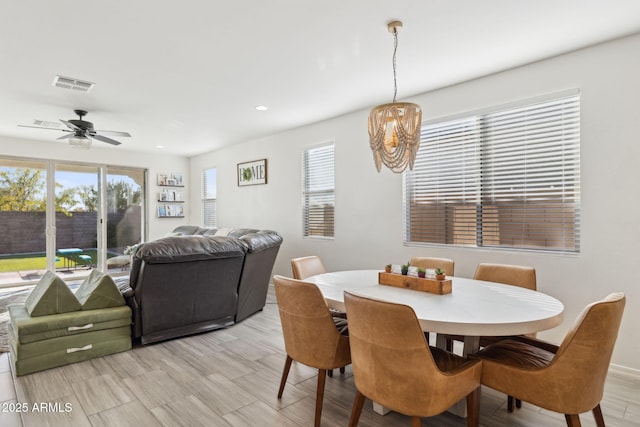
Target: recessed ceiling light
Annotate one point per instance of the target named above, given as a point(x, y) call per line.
point(261, 108)
point(159, 146)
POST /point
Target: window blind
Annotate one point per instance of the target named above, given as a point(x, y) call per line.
point(318, 191)
point(508, 178)
point(209, 197)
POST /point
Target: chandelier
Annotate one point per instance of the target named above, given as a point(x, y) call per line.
point(394, 128)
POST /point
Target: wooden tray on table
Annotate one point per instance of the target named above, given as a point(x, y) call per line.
point(433, 286)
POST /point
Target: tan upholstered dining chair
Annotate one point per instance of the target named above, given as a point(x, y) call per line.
point(307, 266)
point(394, 366)
point(568, 379)
point(515, 275)
point(310, 335)
point(429, 262)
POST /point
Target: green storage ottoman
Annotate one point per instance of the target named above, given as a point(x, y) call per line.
point(44, 342)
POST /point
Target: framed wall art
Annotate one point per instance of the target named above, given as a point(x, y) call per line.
point(252, 173)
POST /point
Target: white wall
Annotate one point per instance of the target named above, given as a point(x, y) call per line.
point(155, 163)
point(369, 229)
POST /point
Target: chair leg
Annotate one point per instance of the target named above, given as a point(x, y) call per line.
point(358, 403)
point(342, 370)
point(473, 408)
point(597, 414)
point(285, 374)
point(573, 420)
point(330, 372)
point(518, 403)
point(322, 377)
point(509, 403)
point(416, 422)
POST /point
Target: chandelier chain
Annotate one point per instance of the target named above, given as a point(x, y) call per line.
point(395, 48)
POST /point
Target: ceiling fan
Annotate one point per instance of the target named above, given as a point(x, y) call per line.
point(81, 132)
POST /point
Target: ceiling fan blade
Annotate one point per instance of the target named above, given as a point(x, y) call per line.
point(105, 139)
point(112, 133)
point(42, 127)
point(69, 135)
point(70, 125)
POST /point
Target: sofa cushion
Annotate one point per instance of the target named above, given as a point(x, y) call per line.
point(184, 230)
point(189, 248)
point(222, 232)
point(51, 353)
point(99, 291)
point(239, 232)
point(29, 329)
point(51, 296)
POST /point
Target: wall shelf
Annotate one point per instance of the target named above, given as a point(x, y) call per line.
point(171, 203)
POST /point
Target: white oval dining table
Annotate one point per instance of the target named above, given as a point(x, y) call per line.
point(474, 308)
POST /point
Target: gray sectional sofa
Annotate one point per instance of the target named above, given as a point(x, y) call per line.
point(198, 279)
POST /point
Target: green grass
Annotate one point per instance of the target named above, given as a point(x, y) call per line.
point(9, 263)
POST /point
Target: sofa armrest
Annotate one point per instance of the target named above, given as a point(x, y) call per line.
point(123, 286)
point(261, 240)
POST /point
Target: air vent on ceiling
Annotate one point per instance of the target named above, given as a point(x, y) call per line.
point(73, 84)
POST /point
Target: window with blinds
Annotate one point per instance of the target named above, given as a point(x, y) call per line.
point(507, 179)
point(209, 197)
point(318, 191)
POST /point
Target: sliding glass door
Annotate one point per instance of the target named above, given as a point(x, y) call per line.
point(23, 220)
point(76, 218)
point(67, 217)
point(125, 214)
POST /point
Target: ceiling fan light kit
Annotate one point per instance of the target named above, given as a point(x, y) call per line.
point(394, 128)
point(80, 142)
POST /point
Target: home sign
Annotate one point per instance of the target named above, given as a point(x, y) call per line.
point(252, 173)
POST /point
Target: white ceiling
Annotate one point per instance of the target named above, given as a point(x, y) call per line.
point(188, 74)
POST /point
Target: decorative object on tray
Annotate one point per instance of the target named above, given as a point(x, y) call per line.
point(387, 268)
point(433, 286)
point(405, 268)
point(440, 274)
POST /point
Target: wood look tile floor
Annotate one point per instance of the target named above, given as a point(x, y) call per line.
point(230, 377)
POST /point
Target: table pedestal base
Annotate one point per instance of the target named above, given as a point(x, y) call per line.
point(379, 409)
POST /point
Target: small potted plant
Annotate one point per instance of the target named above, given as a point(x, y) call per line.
point(440, 274)
point(387, 268)
point(422, 272)
point(405, 268)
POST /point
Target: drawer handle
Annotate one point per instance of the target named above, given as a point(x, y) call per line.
point(86, 347)
point(80, 328)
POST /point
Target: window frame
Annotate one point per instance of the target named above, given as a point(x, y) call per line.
point(206, 201)
point(481, 142)
point(324, 229)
